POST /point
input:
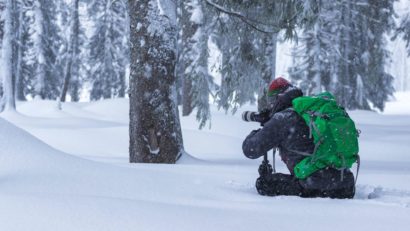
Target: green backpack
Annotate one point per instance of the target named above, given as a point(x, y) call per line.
point(334, 134)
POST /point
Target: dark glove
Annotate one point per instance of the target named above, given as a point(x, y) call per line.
point(265, 116)
point(265, 169)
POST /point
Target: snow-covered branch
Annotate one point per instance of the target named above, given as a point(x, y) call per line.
point(250, 22)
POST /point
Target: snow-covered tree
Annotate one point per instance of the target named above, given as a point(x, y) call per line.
point(155, 130)
point(193, 59)
point(402, 66)
point(71, 74)
point(269, 44)
point(317, 52)
point(47, 42)
point(247, 33)
point(404, 30)
point(9, 81)
point(345, 53)
point(377, 84)
point(362, 75)
point(26, 67)
point(12, 51)
point(242, 65)
point(39, 46)
point(18, 47)
point(108, 46)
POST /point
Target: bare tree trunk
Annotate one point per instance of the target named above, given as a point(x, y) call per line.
point(188, 29)
point(317, 78)
point(270, 41)
point(72, 50)
point(155, 130)
point(18, 52)
point(9, 81)
point(186, 96)
point(40, 51)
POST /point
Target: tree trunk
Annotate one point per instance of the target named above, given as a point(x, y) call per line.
point(155, 131)
point(72, 50)
point(186, 96)
point(40, 51)
point(123, 86)
point(317, 78)
point(188, 29)
point(9, 81)
point(270, 41)
point(18, 51)
point(335, 58)
point(345, 70)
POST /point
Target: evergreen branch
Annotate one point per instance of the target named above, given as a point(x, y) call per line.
point(243, 18)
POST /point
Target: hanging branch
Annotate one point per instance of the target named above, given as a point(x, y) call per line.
point(243, 18)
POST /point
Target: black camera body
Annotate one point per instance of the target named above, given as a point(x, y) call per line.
point(261, 117)
point(265, 169)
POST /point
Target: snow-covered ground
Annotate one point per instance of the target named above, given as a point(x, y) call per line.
point(67, 170)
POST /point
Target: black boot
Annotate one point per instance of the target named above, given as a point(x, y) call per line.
point(278, 184)
point(329, 183)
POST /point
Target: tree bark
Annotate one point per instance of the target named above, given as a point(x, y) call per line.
point(155, 130)
point(72, 50)
point(317, 66)
point(186, 96)
point(188, 29)
point(39, 46)
point(9, 81)
point(270, 41)
point(18, 52)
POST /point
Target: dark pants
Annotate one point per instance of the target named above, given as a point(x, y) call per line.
point(324, 183)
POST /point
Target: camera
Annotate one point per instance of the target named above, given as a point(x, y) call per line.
point(261, 117)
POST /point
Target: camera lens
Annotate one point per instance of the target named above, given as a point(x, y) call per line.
point(248, 116)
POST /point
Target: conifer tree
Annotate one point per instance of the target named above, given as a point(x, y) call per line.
point(193, 60)
point(109, 49)
point(404, 30)
point(345, 53)
point(248, 59)
point(47, 42)
point(71, 71)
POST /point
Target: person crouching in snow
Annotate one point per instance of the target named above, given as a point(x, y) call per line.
point(287, 131)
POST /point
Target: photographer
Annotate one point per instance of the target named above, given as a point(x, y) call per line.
point(286, 130)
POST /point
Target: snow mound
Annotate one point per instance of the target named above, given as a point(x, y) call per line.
point(20, 149)
point(68, 170)
point(399, 106)
point(111, 109)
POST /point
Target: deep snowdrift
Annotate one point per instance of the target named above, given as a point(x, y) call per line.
point(68, 170)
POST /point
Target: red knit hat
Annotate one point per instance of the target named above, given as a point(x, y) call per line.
point(277, 86)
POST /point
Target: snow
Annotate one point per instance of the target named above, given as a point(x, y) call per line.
point(139, 25)
point(197, 16)
point(168, 8)
point(400, 105)
point(68, 170)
